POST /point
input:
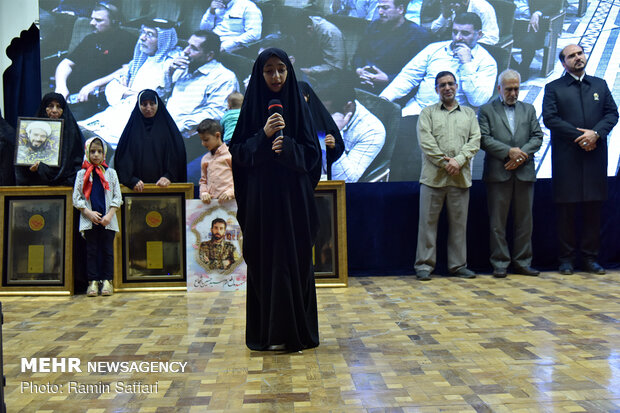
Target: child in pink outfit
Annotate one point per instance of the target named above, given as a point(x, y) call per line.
point(216, 180)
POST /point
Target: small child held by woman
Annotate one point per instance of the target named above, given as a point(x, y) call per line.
point(229, 120)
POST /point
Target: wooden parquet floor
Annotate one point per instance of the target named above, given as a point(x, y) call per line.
point(388, 344)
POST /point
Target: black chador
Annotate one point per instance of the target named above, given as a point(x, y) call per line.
point(277, 213)
point(150, 148)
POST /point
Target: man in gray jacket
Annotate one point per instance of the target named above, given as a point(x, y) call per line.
point(510, 135)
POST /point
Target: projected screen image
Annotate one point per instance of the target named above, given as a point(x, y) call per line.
point(373, 70)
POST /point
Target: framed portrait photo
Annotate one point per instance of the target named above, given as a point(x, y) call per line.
point(38, 140)
point(214, 246)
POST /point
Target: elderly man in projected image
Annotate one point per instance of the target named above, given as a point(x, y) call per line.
point(198, 84)
point(217, 253)
point(38, 147)
point(146, 70)
point(236, 22)
point(473, 66)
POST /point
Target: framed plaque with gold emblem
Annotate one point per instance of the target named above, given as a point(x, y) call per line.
point(152, 241)
point(37, 224)
point(330, 249)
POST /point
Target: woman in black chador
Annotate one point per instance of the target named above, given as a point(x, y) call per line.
point(325, 126)
point(274, 186)
point(151, 148)
point(54, 106)
point(7, 153)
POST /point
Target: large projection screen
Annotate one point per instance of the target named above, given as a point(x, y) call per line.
point(313, 42)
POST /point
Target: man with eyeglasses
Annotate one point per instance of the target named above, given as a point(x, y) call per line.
point(473, 66)
point(97, 55)
point(449, 138)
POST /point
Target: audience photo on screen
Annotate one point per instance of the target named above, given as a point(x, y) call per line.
point(387, 45)
point(473, 66)
point(442, 25)
point(146, 70)
point(197, 83)
point(81, 74)
point(236, 22)
point(362, 132)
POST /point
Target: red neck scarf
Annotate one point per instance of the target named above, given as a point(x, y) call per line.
point(99, 170)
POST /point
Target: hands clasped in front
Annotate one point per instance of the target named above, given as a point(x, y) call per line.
point(587, 140)
point(452, 166)
point(96, 217)
point(517, 158)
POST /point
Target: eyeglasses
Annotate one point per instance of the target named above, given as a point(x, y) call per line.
point(148, 34)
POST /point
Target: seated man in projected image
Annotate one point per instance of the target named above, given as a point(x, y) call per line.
point(362, 9)
point(387, 45)
point(473, 66)
point(100, 53)
point(198, 84)
point(236, 22)
point(146, 70)
point(362, 132)
point(320, 52)
point(217, 253)
point(452, 8)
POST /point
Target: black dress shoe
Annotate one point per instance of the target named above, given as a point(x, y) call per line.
point(566, 268)
point(593, 267)
point(500, 273)
point(464, 272)
point(423, 275)
point(527, 271)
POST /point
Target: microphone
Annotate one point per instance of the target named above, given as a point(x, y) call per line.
point(275, 106)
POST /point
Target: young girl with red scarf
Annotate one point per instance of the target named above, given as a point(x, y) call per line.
point(97, 194)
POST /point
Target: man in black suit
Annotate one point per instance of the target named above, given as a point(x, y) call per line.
point(580, 111)
point(510, 135)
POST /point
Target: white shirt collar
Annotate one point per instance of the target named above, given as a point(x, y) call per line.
point(580, 79)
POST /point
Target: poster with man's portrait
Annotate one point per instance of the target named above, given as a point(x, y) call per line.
point(38, 140)
point(214, 243)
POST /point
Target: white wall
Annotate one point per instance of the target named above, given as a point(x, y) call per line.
point(15, 16)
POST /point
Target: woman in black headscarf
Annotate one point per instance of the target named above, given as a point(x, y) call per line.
point(325, 127)
point(7, 153)
point(151, 148)
point(274, 187)
point(54, 106)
